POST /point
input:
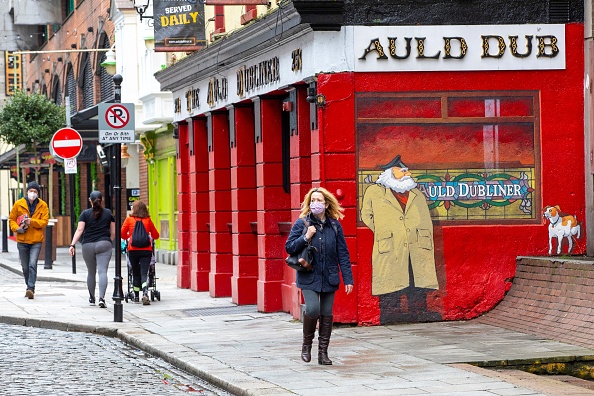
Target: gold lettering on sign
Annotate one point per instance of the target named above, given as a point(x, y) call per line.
point(217, 90)
point(448, 47)
point(513, 46)
point(457, 47)
point(255, 76)
point(542, 46)
point(376, 46)
point(296, 60)
point(392, 47)
point(192, 99)
point(501, 47)
point(421, 49)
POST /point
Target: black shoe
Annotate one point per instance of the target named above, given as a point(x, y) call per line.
point(136, 299)
point(92, 301)
point(102, 303)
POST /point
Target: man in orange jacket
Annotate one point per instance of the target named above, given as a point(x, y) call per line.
point(28, 218)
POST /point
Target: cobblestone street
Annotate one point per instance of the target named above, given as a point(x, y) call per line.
point(50, 362)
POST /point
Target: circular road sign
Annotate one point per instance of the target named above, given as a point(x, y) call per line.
point(117, 116)
point(66, 143)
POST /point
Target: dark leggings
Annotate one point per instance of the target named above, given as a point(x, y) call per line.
point(317, 304)
point(140, 261)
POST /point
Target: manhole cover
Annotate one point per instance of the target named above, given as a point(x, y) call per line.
point(214, 311)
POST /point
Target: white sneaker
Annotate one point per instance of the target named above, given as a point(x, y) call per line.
point(102, 303)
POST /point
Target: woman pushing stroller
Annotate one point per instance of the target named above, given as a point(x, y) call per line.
point(140, 257)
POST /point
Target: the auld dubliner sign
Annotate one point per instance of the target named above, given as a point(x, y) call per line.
point(426, 48)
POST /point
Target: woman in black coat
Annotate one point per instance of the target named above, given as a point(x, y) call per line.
point(325, 237)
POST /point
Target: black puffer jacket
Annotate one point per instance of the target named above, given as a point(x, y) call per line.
point(330, 254)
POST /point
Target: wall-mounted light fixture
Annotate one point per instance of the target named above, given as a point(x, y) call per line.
point(319, 99)
point(141, 6)
point(110, 61)
point(124, 155)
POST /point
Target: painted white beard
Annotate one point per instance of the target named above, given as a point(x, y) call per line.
point(386, 179)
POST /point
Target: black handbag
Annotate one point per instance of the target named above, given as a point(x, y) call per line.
point(301, 261)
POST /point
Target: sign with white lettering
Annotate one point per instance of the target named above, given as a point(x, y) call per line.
point(179, 25)
point(439, 48)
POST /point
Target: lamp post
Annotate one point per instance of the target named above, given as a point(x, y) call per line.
point(141, 6)
point(118, 308)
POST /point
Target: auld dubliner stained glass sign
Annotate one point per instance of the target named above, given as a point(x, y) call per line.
point(474, 155)
point(472, 194)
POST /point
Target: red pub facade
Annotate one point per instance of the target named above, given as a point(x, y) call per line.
point(487, 117)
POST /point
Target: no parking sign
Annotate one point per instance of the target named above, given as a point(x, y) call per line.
point(116, 122)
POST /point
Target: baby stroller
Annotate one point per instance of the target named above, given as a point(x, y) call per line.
point(151, 279)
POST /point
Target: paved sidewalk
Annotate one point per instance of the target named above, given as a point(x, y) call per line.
point(252, 353)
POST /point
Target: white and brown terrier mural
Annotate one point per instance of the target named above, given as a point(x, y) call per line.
point(561, 225)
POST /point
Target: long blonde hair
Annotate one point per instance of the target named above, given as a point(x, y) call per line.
point(333, 210)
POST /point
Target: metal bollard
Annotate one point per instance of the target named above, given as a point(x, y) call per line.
point(4, 234)
point(48, 246)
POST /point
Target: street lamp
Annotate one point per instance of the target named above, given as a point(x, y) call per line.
point(141, 6)
point(110, 61)
point(118, 292)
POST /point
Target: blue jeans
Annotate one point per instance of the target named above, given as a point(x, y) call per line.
point(28, 254)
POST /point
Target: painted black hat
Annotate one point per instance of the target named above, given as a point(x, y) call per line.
point(395, 162)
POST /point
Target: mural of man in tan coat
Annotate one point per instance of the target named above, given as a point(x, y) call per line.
point(403, 262)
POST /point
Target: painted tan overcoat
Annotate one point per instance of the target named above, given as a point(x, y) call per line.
point(398, 235)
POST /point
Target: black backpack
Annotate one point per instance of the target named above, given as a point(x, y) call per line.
point(140, 238)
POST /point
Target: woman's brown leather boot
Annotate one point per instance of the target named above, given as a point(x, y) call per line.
point(309, 331)
point(324, 339)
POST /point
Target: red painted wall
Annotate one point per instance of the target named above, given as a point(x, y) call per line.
point(478, 260)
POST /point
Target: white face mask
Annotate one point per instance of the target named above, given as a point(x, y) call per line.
point(32, 196)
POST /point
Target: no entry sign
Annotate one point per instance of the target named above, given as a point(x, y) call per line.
point(66, 143)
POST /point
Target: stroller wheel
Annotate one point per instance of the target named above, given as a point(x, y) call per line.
point(158, 295)
point(126, 298)
point(152, 295)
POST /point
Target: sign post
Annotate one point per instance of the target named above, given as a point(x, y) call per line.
point(67, 144)
point(116, 125)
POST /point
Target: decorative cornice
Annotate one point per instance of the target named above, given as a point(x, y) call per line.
point(286, 22)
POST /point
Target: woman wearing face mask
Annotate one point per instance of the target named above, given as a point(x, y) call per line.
point(321, 211)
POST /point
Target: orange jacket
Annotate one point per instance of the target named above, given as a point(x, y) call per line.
point(128, 228)
point(36, 231)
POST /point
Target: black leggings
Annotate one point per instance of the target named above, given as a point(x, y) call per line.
point(317, 304)
point(140, 260)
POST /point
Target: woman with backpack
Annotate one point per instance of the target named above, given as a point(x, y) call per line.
point(322, 232)
point(96, 225)
point(140, 232)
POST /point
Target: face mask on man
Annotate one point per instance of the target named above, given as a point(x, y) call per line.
point(317, 208)
point(32, 196)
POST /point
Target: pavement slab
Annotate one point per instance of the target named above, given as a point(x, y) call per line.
point(247, 352)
